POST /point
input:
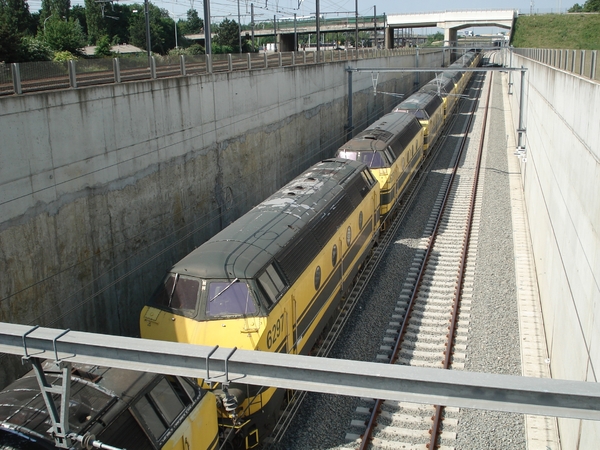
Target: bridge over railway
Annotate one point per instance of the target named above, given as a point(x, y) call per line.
point(450, 21)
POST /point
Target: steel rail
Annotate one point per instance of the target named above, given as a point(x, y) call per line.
point(439, 69)
point(437, 420)
point(372, 423)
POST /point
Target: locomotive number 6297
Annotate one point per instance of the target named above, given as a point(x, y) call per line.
point(274, 333)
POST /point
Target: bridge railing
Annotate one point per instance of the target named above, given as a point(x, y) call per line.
point(287, 25)
point(581, 62)
point(30, 77)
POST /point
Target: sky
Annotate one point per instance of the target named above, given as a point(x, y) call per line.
point(266, 9)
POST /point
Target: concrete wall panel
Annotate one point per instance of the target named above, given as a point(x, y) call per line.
point(561, 176)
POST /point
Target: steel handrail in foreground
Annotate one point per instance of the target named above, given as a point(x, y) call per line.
point(508, 393)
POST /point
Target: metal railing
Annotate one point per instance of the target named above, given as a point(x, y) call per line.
point(580, 62)
point(30, 77)
point(507, 393)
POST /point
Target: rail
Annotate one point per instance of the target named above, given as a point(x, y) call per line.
point(424, 271)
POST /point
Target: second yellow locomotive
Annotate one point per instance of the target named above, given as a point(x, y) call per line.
point(271, 280)
point(392, 147)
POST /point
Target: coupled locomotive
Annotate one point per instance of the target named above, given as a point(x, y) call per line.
point(270, 281)
point(119, 409)
point(395, 145)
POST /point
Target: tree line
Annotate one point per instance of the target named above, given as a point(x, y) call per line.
point(59, 32)
point(588, 6)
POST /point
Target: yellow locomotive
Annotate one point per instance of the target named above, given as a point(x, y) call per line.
point(271, 280)
point(428, 108)
point(119, 408)
point(392, 147)
point(446, 85)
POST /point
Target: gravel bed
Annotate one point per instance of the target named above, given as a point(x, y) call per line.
point(493, 341)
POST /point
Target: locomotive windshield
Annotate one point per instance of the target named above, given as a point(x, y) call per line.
point(418, 113)
point(220, 298)
point(375, 160)
point(229, 298)
point(177, 293)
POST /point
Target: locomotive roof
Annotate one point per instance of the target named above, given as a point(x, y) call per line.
point(427, 101)
point(464, 61)
point(93, 389)
point(381, 133)
point(311, 200)
point(444, 84)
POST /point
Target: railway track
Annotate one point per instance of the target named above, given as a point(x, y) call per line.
point(431, 325)
point(387, 238)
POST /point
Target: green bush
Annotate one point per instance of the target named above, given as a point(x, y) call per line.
point(36, 49)
point(103, 47)
point(195, 49)
point(222, 49)
point(63, 56)
point(178, 51)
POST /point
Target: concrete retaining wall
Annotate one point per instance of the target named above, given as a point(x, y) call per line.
point(102, 189)
point(561, 177)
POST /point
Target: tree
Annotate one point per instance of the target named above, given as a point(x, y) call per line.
point(15, 21)
point(103, 47)
point(227, 37)
point(96, 25)
point(588, 6)
point(437, 37)
point(60, 8)
point(36, 49)
point(193, 24)
point(116, 19)
point(64, 35)
point(162, 31)
point(78, 13)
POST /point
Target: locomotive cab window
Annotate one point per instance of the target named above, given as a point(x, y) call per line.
point(375, 160)
point(177, 293)
point(272, 284)
point(390, 156)
point(229, 299)
point(421, 114)
point(368, 177)
point(167, 401)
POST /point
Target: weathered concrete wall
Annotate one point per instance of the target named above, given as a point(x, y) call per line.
point(104, 188)
point(561, 176)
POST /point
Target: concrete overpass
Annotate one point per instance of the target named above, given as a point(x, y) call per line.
point(451, 21)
